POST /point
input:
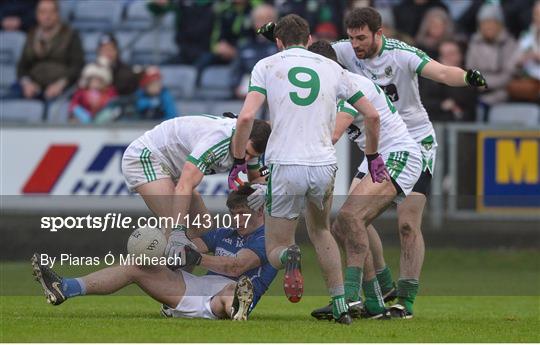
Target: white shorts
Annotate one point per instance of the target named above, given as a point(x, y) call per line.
point(140, 166)
point(404, 167)
point(199, 293)
point(290, 185)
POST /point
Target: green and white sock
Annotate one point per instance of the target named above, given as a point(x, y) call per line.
point(407, 289)
point(339, 306)
point(353, 281)
point(374, 302)
point(283, 256)
point(384, 276)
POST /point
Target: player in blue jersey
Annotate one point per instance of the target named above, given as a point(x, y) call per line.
point(238, 272)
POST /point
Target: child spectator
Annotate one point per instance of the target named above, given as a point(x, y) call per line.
point(153, 101)
point(95, 93)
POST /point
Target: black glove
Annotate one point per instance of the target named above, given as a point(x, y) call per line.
point(475, 78)
point(230, 115)
point(267, 30)
point(192, 257)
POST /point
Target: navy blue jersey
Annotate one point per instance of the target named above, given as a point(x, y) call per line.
point(227, 242)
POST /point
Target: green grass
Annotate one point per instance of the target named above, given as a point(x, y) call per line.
point(466, 296)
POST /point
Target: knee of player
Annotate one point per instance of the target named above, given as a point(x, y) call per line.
point(406, 228)
point(350, 218)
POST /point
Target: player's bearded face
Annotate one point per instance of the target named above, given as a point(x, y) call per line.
point(363, 42)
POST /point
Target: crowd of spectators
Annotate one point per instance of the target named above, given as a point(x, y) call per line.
point(499, 38)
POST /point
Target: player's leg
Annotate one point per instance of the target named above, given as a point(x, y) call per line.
point(412, 249)
point(158, 282)
point(234, 300)
point(287, 186)
point(158, 196)
point(384, 275)
point(328, 256)
point(353, 272)
point(364, 204)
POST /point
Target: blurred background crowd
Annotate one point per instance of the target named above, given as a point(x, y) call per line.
point(98, 61)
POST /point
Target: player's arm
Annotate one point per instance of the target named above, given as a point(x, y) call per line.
point(372, 123)
point(253, 102)
point(452, 76)
point(201, 245)
point(232, 266)
point(343, 121)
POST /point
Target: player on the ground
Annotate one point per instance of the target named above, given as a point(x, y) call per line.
point(395, 67)
point(366, 199)
point(168, 162)
point(239, 254)
point(301, 89)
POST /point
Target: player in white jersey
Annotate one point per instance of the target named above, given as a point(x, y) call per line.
point(394, 66)
point(301, 89)
point(168, 162)
point(403, 160)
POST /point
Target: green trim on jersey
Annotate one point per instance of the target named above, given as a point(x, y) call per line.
point(421, 66)
point(295, 46)
point(341, 107)
point(258, 89)
point(211, 155)
point(383, 46)
point(146, 163)
point(396, 162)
point(269, 191)
point(355, 97)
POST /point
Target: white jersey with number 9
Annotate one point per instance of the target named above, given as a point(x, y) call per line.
point(302, 89)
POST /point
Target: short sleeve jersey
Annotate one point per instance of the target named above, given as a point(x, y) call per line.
point(301, 89)
point(393, 133)
point(395, 69)
point(203, 140)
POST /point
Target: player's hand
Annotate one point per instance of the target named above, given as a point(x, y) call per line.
point(177, 241)
point(475, 78)
point(267, 30)
point(377, 168)
point(239, 166)
point(258, 198)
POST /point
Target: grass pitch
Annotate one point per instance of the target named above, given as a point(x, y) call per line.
point(466, 296)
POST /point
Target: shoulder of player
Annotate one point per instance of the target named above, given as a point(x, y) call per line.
point(397, 47)
point(341, 44)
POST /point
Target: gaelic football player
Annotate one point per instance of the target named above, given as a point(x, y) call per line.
point(301, 89)
point(238, 272)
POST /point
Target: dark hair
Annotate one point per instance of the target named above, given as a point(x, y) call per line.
point(323, 48)
point(360, 17)
point(292, 29)
point(107, 37)
point(259, 135)
point(238, 198)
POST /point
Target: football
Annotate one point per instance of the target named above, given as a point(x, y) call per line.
point(148, 241)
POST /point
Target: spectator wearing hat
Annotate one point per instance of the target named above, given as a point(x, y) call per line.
point(152, 100)
point(52, 56)
point(493, 51)
point(17, 15)
point(94, 94)
point(125, 78)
